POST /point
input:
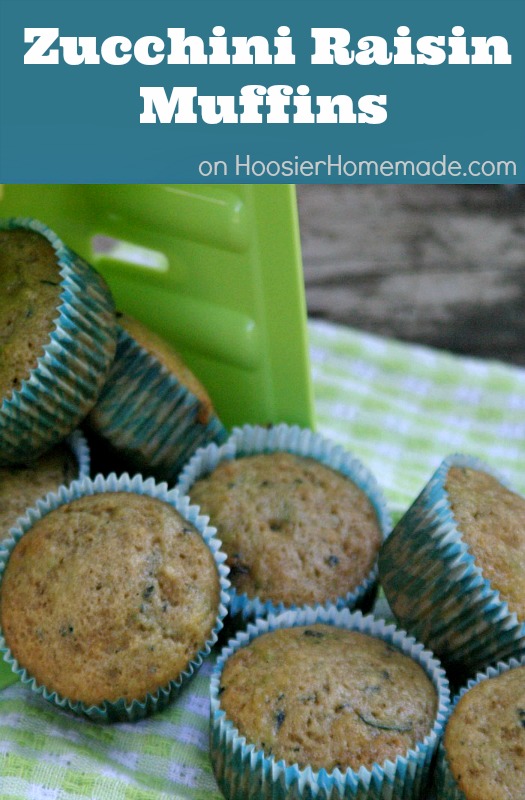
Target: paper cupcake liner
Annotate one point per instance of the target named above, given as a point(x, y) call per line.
point(436, 590)
point(78, 445)
point(119, 709)
point(244, 772)
point(148, 415)
point(68, 376)
point(446, 784)
point(251, 440)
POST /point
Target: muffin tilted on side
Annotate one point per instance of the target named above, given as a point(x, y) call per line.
point(153, 409)
point(171, 360)
point(30, 296)
point(453, 569)
point(57, 339)
point(110, 599)
point(491, 519)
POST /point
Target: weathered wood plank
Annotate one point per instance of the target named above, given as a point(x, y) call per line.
point(442, 264)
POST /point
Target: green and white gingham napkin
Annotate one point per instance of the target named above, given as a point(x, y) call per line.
point(400, 408)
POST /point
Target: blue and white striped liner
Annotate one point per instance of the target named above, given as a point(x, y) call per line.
point(250, 440)
point(68, 377)
point(147, 414)
point(119, 709)
point(245, 773)
point(77, 442)
point(435, 588)
point(446, 785)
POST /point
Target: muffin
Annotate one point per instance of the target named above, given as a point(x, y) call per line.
point(153, 410)
point(329, 699)
point(170, 360)
point(453, 569)
point(482, 757)
point(296, 530)
point(326, 697)
point(491, 519)
point(112, 598)
point(28, 303)
point(21, 486)
point(57, 339)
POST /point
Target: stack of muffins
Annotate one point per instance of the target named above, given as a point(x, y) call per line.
point(115, 589)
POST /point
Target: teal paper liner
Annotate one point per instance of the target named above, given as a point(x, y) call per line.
point(110, 711)
point(245, 773)
point(446, 785)
point(78, 445)
point(436, 590)
point(252, 439)
point(68, 376)
point(148, 415)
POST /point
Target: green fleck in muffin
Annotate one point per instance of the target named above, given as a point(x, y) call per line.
point(485, 739)
point(294, 530)
point(327, 697)
point(109, 596)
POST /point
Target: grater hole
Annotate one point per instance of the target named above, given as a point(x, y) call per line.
point(109, 248)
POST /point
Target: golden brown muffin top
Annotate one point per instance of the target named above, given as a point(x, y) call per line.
point(29, 299)
point(109, 596)
point(491, 520)
point(485, 739)
point(21, 486)
point(327, 697)
point(169, 359)
point(294, 530)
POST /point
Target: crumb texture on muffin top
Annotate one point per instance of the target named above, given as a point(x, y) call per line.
point(109, 596)
point(491, 520)
point(485, 738)
point(294, 530)
point(327, 697)
point(29, 299)
point(21, 486)
point(170, 359)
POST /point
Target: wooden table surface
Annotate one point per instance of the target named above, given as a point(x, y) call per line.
point(442, 265)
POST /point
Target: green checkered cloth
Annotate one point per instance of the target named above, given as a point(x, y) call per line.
point(400, 408)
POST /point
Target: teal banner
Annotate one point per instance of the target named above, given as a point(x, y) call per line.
point(366, 91)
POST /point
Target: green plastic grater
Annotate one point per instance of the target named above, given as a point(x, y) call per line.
point(216, 270)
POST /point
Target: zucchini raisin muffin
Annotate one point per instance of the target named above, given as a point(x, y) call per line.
point(171, 360)
point(57, 339)
point(323, 696)
point(485, 739)
point(109, 596)
point(153, 412)
point(29, 297)
point(22, 485)
point(295, 531)
point(491, 520)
